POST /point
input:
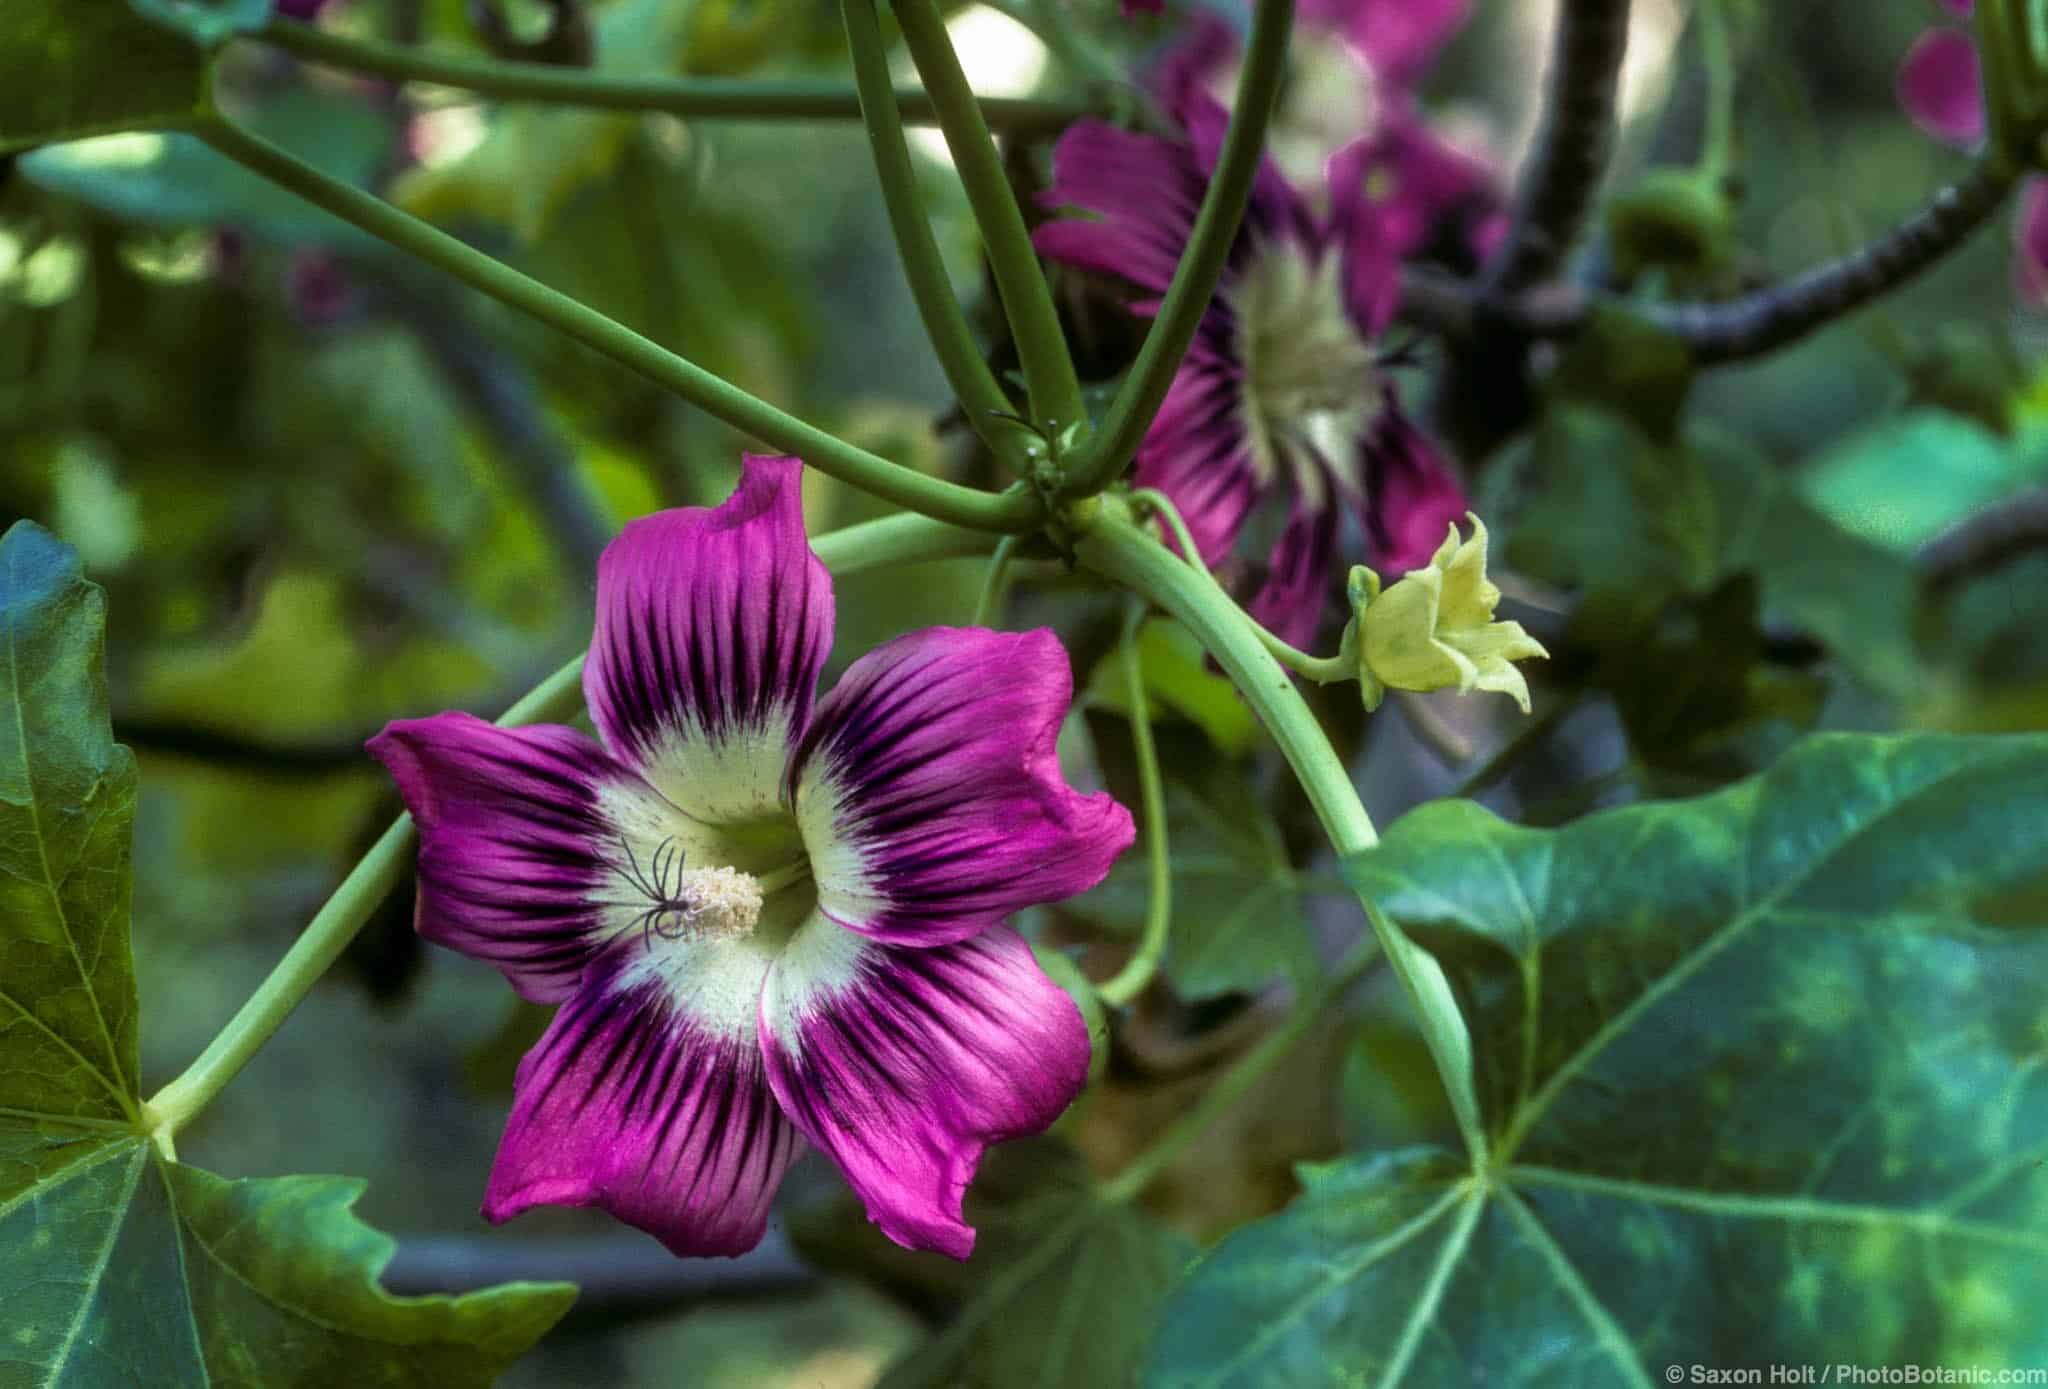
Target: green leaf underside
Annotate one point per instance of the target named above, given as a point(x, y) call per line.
point(1071, 1284)
point(1765, 1076)
point(118, 1267)
point(91, 67)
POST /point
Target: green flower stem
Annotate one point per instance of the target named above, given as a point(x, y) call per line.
point(1324, 670)
point(1113, 544)
point(1201, 264)
point(1130, 981)
point(988, 410)
point(891, 540)
point(1237, 1082)
point(679, 96)
point(995, 583)
point(1020, 284)
point(1017, 510)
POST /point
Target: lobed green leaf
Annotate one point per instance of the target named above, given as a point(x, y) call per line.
point(118, 1266)
point(1763, 1073)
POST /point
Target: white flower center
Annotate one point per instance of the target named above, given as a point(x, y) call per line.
point(1311, 392)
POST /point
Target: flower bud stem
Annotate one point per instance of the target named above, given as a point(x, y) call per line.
point(1324, 670)
point(891, 540)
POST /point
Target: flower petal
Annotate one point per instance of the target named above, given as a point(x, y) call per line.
point(629, 1104)
point(929, 794)
point(1144, 192)
point(2030, 243)
point(515, 826)
point(1292, 601)
point(1412, 498)
point(1400, 38)
point(1198, 453)
point(712, 625)
point(905, 1065)
point(1938, 87)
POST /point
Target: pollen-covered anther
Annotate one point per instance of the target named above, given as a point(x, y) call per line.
point(720, 901)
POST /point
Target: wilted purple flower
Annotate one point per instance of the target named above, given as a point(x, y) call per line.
point(764, 921)
point(1284, 394)
point(1940, 85)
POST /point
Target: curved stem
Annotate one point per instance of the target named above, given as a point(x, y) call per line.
point(1769, 318)
point(892, 540)
point(1201, 263)
point(994, 583)
point(947, 501)
point(1324, 670)
point(1048, 367)
point(989, 412)
point(1119, 548)
point(679, 96)
point(1572, 146)
point(1130, 981)
point(1236, 1082)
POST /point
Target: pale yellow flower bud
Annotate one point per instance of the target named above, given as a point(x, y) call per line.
point(1434, 628)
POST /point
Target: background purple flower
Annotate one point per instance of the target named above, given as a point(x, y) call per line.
point(1350, 95)
point(1281, 412)
point(1940, 85)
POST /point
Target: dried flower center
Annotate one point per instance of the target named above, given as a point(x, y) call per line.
point(1310, 385)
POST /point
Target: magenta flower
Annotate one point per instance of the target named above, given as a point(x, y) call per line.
point(1283, 397)
point(764, 921)
point(1352, 74)
point(1940, 87)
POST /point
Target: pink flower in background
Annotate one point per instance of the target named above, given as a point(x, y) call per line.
point(1283, 398)
point(1940, 87)
point(1350, 97)
point(764, 921)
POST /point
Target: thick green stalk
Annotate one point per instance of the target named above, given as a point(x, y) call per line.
point(715, 97)
point(1201, 263)
point(1131, 980)
point(1114, 545)
point(891, 540)
point(1020, 284)
point(1234, 1084)
point(945, 501)
point(989, 411)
